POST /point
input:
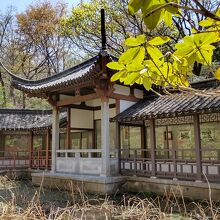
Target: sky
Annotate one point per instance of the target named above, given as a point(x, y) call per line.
point(20, 5)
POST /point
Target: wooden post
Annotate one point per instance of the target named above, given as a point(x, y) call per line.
point(119, 146)
point(135, 162)
point(117, 135)
point(143, 140)
point(105, 137)
point(153, 147)
point(143, 146)
point(68, 129)
point(47, 148)
point(31, 138)
point(174, 164)
point(55, 138)
point(2, 144)
point(38, 159)
point(198, 146)
point(94, 144)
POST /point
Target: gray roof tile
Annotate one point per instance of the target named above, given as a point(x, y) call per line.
point(169, 105)
point(23, 119)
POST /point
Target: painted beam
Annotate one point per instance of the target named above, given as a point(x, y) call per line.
point(76, 99)
point(124, 97)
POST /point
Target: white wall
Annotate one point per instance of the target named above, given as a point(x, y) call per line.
point(81, 118)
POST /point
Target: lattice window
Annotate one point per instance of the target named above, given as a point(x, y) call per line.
point(213, 117)
point(172, 121)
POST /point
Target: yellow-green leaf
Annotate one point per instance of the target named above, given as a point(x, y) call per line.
point(171, 9)
point(115, 66)
point(155, 53)
point(217, 74)
point(168, 18)
point(134, 67)
point(140, 56)
point(147, 83)
point(152, 20)
point(135, 41)
point(129, 55)
point(204, 38)
point(206, 23)
point(159, 40)
point(134, 6)
point(118, 75)
point(131, 78)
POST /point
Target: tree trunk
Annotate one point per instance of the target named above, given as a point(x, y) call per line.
point(23, 100)
point(3, 91)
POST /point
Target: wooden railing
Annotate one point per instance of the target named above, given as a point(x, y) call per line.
point(14, 159)
point(170, 163)
point(37, 159)
point(40, 159)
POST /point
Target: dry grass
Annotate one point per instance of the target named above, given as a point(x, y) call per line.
point(21, 200)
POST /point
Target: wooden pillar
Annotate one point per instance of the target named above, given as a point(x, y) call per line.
point(47, 148)
point(119, 146)
point(94, 133)
point(153, 147)
point(117, 134)
point(143, 140)
point(31, 140)
point(2, 144)
point(105, 137)
point(143, 146)
point(117, 129)
point(55, 137)
point(68, 129)
point(198, 146)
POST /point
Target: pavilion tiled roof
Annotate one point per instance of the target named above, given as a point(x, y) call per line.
point(23, 119)
point(72, 76)
point(168, 106)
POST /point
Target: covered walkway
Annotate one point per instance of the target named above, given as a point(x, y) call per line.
point(180, 138)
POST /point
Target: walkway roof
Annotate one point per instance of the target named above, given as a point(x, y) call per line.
point(25, 119)
point(170, 106)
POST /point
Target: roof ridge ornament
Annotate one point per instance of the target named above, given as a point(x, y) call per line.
point(103, 30)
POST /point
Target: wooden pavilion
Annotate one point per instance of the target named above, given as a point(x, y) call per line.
point(116, 133)
point(92, 100)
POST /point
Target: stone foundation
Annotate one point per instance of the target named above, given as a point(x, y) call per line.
point(83, 183)
point(111, 185)
point(187, 189)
